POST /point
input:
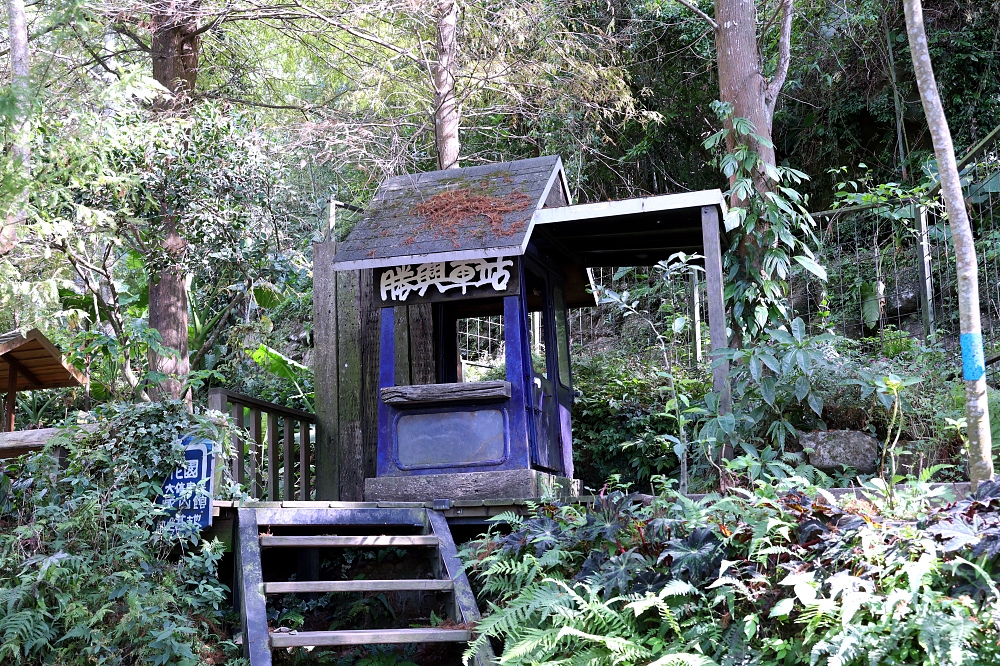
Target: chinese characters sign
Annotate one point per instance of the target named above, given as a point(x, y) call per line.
point(446, 280)
point(187, 494)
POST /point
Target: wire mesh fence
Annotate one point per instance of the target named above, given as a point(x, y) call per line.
point(671, 320)
point(892, 268)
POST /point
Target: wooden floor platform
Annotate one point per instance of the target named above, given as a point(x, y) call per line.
point(456, 511)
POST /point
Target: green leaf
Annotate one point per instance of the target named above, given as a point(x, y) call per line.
point(767, 390)
point(278, 364)
point(801, 388)
point(782, 608)
point(811, 266)
point(816, 404)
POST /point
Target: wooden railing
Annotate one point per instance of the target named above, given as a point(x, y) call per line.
point(275, 463)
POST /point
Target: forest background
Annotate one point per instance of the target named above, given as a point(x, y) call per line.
point(209, 174)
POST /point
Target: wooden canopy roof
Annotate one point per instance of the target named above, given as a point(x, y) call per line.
point(630, 232)
point(39, 364)
point(456, 214)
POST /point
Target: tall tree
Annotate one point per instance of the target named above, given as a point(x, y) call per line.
point(742, 82)
point(973, 362)
point(446, 111)
point(21, 125)
point(174, 50)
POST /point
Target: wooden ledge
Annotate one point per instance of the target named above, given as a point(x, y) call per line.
point(425, 394)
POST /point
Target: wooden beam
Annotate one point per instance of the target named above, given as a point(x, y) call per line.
point(326, 369)
point(364, 585)
point(363, 541)
point(249, 590)
point(712, 242)
point(368, 637)
point(437, 393)
point(27, 374)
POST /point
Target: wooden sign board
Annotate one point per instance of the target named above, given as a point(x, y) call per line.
point(440, 281)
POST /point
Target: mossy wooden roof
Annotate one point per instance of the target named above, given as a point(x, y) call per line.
point(38, 362)
point(398, 229)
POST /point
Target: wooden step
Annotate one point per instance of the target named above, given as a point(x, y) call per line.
point(370, 637)
point(303, 586)
point(364, 541)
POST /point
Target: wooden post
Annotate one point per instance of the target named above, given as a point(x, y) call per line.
point(349, 389)
point(326, 370)
point(712, 242)
point(696, 355)
point(11, 398)
point(925, 270)
point(369, 344)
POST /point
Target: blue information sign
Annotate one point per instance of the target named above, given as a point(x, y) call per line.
point(187, 494)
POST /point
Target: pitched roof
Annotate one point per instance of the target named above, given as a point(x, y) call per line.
point(480, 211)
point(38, 362)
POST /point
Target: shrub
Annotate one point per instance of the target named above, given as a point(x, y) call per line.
point(86, 575)
point(622, 418)
point(773, 576)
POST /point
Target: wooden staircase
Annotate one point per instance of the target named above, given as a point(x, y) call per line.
point(325, 520)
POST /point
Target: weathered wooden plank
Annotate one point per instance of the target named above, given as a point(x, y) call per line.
point(467, 610)
point(239, 446)
point(385, 517)
point(256, 446)
point(368, 637)
point(222, 395)
point(423, 369)
point(402, 337)
point(305, 469)
point(349, 389)
point(370, 332)
point(326, 371)
point(414, 585)
point(354, 541)
point(712, 241)
point(288, 459)
point(19, 442)
point(250, 579)
point(273, 464)
point(458, 392)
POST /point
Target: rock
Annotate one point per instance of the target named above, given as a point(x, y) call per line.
point(832, 448)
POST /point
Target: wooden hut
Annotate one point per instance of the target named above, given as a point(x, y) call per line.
point(29, 361)
point(486, 240)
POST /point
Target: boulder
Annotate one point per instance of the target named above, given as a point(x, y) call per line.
point(829, 449)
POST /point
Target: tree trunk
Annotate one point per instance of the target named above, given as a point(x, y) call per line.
point(973, 365)
point(446, 111)
point(741, 81)
point(21, 131)
point(174, 46)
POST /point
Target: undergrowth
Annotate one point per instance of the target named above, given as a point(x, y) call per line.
point(87, 574)
point(773, 576)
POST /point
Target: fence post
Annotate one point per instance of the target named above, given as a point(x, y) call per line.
point(925, 271)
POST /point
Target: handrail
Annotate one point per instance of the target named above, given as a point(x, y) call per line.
point(252, 461)
point(250, 401)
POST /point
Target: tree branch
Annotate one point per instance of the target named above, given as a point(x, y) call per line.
point(693, 7)
point(210, 342)
point(784, 57)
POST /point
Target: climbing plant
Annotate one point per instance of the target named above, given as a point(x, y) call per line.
point(771, 230)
